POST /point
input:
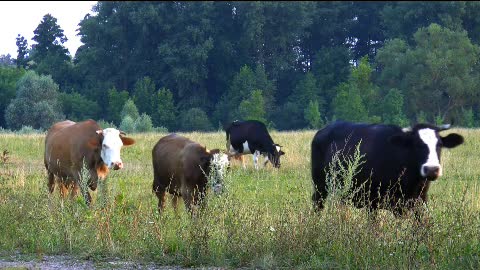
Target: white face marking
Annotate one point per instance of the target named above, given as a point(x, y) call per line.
point(246, 150)
point(111, 146)
point(278, 148)
point(430, 139)
point(218, 169)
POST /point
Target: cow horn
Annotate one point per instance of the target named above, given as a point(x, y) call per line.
point(444, 127)
point(100, 131)
point(122, 133)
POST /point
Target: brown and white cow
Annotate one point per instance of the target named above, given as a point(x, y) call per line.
point(182, 167)
point(71, 146)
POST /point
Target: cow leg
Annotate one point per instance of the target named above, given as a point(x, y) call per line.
point(265, 161)
point(319, 195)
point(161, 195)
point(193, 200)
point(51, 182)
point(75, 190)
point(188, 199)
point(255, 159)
point(63, 189)
point(243, 161)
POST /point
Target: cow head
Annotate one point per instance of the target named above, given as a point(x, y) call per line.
point(215, 165)
point(425, 144)
point(274, 156)
point(112, 142)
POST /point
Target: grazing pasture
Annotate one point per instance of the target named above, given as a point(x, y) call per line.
point(264, 219)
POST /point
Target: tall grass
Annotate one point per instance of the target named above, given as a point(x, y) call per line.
point(264, 219)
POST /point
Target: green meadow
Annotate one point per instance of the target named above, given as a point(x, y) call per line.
point(263, 220)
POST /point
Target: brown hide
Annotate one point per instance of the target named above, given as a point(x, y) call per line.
point(177, 163)
point(67, 145)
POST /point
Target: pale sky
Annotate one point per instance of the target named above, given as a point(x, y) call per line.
point(23, 17)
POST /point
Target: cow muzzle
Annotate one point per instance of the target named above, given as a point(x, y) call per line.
point(431, 172)
point(117, 165)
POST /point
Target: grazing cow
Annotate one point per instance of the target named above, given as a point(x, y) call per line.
point(399, 164)
point(71, 147)
point(252, 137)
point(181, 167)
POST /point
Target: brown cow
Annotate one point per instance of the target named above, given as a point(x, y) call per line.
point(70, 146)
point(181, 167)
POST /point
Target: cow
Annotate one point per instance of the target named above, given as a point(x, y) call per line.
point(74, 151)
point(252, 137)
point(396, 168)
point(182, 168)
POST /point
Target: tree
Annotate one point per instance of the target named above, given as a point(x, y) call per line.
point(358, 98)
point(402, 19)
point(348, 104)
point(127, 124)
point(49, 55)
point(331, 66)
point(22, 49)
point(116, 101)
point(164, 110)
point(312, 115)
point(242, 85)
point(8, 80)
point(305, 91)
point(130, 109)
point(36, 103)
point(7, 60)
point(143, 123)
point(144, 95)
point(195, 119)
point(77, 107)
point(392, 108)
point(253, 108)
point(438, 75)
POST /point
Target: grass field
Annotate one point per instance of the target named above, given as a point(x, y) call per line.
point(264, 220)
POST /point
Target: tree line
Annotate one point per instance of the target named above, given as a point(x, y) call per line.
point(293, 65)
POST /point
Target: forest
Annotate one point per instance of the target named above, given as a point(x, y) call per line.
point(196, 66)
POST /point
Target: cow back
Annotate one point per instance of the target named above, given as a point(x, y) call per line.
point(68, 144)
point(176, 164)
point(253, 131)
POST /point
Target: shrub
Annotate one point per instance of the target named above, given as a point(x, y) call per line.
point(143, 123)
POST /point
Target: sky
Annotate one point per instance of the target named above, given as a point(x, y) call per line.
point(23, 17)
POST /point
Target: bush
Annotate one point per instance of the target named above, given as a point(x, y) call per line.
point(127, 124)
point(143, 123)
point(36, 103)
point(195, 119)
point(28, 130)
point(130, 109)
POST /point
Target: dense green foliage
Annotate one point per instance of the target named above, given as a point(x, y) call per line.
point(173, 57)
point(36, 103)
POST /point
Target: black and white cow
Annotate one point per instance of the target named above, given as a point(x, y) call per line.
point(252, 137)
point(399, 164)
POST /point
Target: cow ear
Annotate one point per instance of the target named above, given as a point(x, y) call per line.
point(403, 140)
point(281, 153)
point(127, 141)
point(214, 151)
point(452, 140)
